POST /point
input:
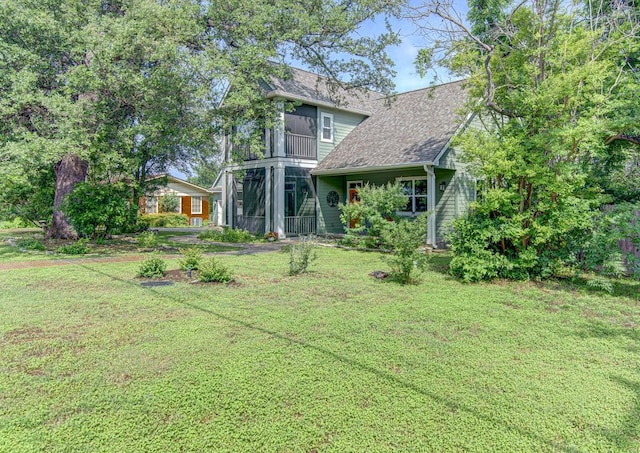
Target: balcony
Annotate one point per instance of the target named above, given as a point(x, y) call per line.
point(300, 146)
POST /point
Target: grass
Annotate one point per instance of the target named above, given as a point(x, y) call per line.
point(332, 360)
point(113, 247)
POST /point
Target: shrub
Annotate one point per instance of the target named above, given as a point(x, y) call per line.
point(302, 255)
point(97, 210)
point(191, 258)
point(30, 244)
point(227, 234)
point(147, 240)
point(75, 248)
point(153, 267)
point(168, 203)
point(164, 220)
point(365, 220)
point(405, 238)
point(17, 222)
point(213, 271)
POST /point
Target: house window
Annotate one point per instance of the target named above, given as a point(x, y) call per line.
point(416, 191)
point(326, 120)
point(151, 205)
point(196, 205)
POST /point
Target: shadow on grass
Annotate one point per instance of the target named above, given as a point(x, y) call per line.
point(382, 374)
point(627, 436)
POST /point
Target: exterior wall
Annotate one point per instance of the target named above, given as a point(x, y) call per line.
point(329, 216)
point(459, 193)
point(343, 124)
point(451, 203)
point(184, 192)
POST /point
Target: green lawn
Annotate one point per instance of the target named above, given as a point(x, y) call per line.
point(166, 243)
point(328, 361)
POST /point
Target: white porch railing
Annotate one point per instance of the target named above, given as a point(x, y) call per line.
point(300, 225)
point(301, 146)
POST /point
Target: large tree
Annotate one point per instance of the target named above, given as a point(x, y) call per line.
point(556, 96)
point(114, 89)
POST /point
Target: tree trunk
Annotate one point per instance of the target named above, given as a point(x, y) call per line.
point(71, 170)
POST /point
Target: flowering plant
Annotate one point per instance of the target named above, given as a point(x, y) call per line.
point(271, 235)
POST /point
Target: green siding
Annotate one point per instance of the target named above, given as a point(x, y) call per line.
point(343, 124)
point(329, 217)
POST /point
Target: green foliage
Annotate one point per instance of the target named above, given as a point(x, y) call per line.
point(168, 203)
point(30, 244)
point(153, 267)
point(16, 222)
point(165, 220)
point(302, 254)
point(557, 135)
point(405, 238)
point(377, 206)
point(147, 239)
point(191, 258)
point(211, 270)
point(78, 247)
point(227, 234)
point(97, 209)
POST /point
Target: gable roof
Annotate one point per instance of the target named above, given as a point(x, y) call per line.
point(171, 178)
point(309, 87)
point(413, 130)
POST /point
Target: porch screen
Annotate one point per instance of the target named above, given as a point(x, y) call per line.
point(300, 194)
point(302, 120)
point(253, 200)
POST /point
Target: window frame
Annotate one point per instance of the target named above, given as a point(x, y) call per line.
point(324, 115)
point(413, 195)
point(196, 197)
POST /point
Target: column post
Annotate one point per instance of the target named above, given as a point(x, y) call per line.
point(278, 202)
point(431, 205)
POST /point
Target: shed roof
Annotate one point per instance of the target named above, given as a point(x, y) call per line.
point(413, 129)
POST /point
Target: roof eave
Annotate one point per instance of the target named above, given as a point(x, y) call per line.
point(354, 170)
point(291, 97)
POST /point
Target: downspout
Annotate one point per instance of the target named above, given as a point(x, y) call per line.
point(431, 204)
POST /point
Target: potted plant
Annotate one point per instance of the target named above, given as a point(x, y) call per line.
point(271, 236)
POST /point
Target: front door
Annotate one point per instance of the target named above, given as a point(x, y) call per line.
point(352, 189)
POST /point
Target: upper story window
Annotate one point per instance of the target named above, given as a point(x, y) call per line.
point(415, 188)
point(326, 121)
point(196, 205)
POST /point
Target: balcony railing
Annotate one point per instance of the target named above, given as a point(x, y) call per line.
point(301, 146)
point(300, 225)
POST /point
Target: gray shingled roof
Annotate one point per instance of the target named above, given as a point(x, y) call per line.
point(306, 86)
point(413, 129)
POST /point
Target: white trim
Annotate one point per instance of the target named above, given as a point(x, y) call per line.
point(273, 161)
point(198, 197)
point(460, 128)
point(181, 181)
point(324, 115)
point(348, 171)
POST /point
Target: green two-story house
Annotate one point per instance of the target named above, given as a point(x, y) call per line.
point(332, 143)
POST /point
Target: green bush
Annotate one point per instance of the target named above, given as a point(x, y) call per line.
point(75, 248)
point(191, 258)
point(164, 220)
point(405, 238)
point(153, 267)
point(227, 234)
point(17, 222)
point(30, 244)
point(168, 203)
point(147, 240)
point(213, 271)
point(100, 210)
point(302, 255)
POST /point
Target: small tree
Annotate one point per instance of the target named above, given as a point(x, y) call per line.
point(168, 203)
point(406, 239)
point(377, 206)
